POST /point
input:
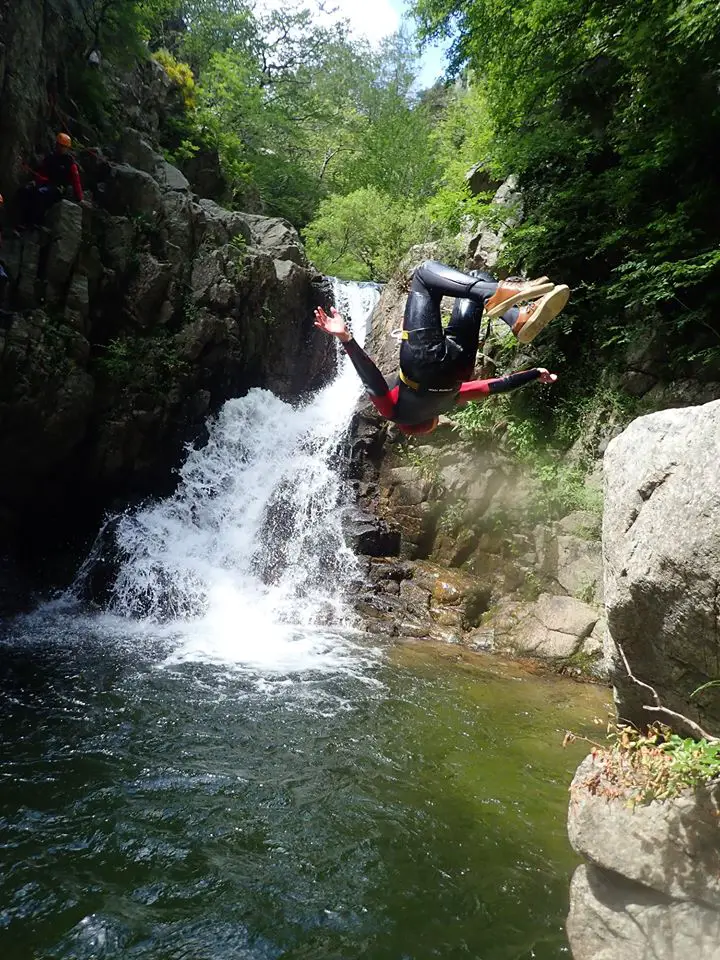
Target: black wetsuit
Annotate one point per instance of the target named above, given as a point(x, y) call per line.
point(434, 363)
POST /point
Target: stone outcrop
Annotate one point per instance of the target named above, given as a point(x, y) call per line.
point(650, 887)
point(135, 314)
point(420, 600)
point(460, 505)
point(661, 536)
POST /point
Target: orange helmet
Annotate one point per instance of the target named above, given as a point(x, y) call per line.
point(419, 429)
point(63, 140)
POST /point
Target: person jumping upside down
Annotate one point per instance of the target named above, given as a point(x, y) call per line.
point(435, 364)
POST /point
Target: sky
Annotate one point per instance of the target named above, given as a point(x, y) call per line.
point(376, 19)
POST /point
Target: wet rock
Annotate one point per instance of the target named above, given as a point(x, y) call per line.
point(416, 599)
point(370, 537)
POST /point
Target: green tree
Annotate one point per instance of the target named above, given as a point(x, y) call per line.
point(364, 234)
point(609, 114)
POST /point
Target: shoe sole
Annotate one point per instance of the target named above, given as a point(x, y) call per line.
point(547, 309)
point(531, 292)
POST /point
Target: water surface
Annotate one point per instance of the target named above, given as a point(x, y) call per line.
point(408, 805)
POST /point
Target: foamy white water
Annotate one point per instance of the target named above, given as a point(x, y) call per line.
point(246, 562)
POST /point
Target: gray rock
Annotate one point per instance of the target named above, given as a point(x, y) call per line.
point(484, 247)
point(552, 627)
point(566, 615)
point(581, 523)
point(221, 225)
point(65, 223)
point(131, 191)
point(680, 393)
point(170, 178)
point(672, 847)
point(277, 237)
point(407, 487)
point(137, 151)
point(615, 919)
point(28, 272)
point(579, 567)
point(661, 535)
point(595, 643)
point(148, 289)
point(637, 383)
point(480, 180)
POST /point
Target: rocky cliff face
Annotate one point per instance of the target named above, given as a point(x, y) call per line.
point(136, 313)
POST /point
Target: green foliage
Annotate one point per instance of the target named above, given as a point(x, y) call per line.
point(609, 115)
point(363, 235)
point(150, 363)
point(180, 74)
point(640, 767)
point(558, 487)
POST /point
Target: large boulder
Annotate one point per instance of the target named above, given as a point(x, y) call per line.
point(661, 536)
point(615, 919)
point(650, 889)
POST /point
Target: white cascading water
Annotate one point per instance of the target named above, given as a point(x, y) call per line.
point(246, 562)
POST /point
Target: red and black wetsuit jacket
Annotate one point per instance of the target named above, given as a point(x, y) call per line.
point(61, 170)
point(407, 406)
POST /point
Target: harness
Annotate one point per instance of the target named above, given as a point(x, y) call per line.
point(414, 385)
point(401, 334)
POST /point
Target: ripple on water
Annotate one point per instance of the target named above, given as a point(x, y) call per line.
point(412, 806)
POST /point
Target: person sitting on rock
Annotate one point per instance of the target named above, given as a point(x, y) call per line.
point(435, 363)
point(58, 171)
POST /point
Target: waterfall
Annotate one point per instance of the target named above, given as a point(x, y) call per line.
point(246, 561)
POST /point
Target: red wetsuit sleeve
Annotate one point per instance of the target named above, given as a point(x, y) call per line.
point(373, 381)
point(475, 389)
point(385, 405)
point(76, 184)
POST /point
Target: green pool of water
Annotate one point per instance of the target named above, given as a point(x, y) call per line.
point(412, 807)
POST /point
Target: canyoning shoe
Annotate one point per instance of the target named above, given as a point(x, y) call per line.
point(535, 316)
point(510, 292)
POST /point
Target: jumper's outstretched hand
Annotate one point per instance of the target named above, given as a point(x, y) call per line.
point(546, 377)
point(333, 324)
